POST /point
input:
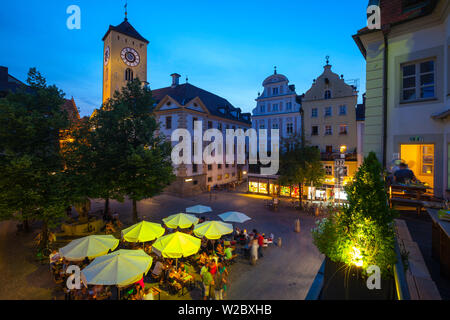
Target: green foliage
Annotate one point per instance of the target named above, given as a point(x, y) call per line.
point(32, 182)
point(300, 164)
point(361, 234)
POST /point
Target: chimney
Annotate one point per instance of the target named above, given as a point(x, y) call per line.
point(175, 79)
point(3, 74)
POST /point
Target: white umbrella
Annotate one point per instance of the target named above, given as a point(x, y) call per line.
point(198, 209)
point(234, 216)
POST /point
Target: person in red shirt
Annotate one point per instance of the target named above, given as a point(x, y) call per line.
point(261, 243)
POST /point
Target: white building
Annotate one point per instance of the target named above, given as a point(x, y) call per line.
point(179, 106)
point(278, 107)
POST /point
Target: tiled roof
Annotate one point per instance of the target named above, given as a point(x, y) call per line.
point(127, 29)
point(71, 109)
point(186, 92)
point(395, 11)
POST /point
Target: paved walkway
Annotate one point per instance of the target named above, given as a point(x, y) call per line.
point(283, 273)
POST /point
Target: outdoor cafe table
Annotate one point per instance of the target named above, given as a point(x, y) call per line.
point(440, 242)
point(417, 190)
point(186, 281)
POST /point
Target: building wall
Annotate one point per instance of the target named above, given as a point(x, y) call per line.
point(342, 94)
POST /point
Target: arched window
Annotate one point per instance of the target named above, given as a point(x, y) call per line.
point(327, 94)
point(128, 75)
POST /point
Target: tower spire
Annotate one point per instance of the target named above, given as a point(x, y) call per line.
point(126, 10)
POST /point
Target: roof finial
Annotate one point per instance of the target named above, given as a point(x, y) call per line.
point(126, 10)
point(328, 60)
point(275, 72)
point(187, 79)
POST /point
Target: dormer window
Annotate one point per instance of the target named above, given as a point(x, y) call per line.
point(274, 91)
point(262, 108)
point(327, 94)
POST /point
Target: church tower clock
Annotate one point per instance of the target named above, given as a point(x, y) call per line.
point(124, 58)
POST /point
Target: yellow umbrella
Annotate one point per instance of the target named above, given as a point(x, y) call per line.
point(177, 245)
point(180, 220)
point(120, 268)
point(90, 247)
point(212, 229)
point(142, 232)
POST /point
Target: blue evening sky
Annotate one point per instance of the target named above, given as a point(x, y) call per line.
point(227, 47)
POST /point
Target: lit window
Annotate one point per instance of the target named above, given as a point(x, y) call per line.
point(329, 170)
point(219, 177)
point(418, 81)
point(343, 129)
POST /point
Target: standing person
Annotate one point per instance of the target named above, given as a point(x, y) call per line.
point(254, 251)
point(207, 280)
point(224, 272)
point(260, 245)
point(218, 286)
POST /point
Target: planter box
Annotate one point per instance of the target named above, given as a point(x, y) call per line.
point(343, 282)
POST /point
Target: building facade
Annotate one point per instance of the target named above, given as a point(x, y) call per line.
point(278, 107)
point(408, 88)
point(179, 106)
point(329, 108)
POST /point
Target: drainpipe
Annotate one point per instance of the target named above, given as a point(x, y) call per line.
point(386, 30)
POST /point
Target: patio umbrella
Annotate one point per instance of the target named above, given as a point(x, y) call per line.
point(90, 247)
point(234, 216)
point(143, 231)
point(198, 209)
point(177, 245)
point(120, 268)
point(212, 230)
point(180, 220)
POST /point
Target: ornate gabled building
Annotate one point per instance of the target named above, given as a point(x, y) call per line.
point(278, 107)
point(178, 107)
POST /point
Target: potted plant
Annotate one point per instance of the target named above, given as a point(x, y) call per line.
point(361, 235)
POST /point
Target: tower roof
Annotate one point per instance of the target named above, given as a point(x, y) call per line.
point(127, 29)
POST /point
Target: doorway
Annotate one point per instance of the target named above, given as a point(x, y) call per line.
point(420, 159)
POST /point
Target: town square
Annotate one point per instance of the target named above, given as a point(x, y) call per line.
point(215, 153)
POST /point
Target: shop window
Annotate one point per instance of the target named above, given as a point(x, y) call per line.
point(253, 187)
point(295, 192)
point(263, 187)
point(285, 191)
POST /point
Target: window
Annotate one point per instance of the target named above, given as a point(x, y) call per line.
point(209, 167)
point(275, 126)
point(342, 110)
point(274, 91)
point(227, 165)
point(328, 111)
point(168, 122)
point(193, 122)
point(327, 94)
point(227, 176)
point(329, 170)
point(219, 126)
point(219, 166)
point(427, 159)
point(329, 149)
point(314, 130)
point(262, 126)
point(209, 179)
point(288, 105)
point(128, 75)
point(343, 129)
point(314, 113)
point(210, 124)
point(262, 108)
point(275, 107)
point(418, 81)
point(328, 130)
point(290, 128)
point(194, 168)
point(219, 177)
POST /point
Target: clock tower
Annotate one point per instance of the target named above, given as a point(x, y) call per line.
point(124, 58)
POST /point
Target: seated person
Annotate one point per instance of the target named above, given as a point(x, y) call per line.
point(213, 267)
point(173, 279)
point(404, 175)
point(219, 250)
point(157, 272)
point(229, 254)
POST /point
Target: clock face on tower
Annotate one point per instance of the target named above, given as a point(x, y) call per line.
point(107, 55)
point(130, 57)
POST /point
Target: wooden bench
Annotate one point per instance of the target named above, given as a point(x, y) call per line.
point(420, 284)
point(418, 204)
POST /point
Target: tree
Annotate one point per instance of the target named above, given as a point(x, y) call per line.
point(300, 165)
point(361, 234)
point(122, 153)
point(32, 179)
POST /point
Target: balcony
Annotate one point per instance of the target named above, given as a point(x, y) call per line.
point(331, 156)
